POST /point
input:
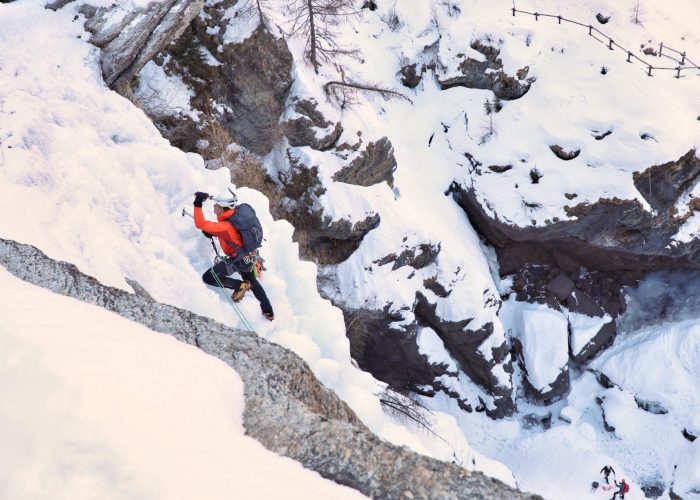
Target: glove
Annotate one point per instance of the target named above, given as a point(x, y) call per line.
point(210, 236)
point(199, 197)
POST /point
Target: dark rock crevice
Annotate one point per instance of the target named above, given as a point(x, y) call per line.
point(463, 345)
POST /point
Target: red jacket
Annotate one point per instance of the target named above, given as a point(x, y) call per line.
point(229, 237)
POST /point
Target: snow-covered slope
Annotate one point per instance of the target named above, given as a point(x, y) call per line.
point(95, 406)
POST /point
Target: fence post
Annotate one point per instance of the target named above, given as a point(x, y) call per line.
point(513, 11)
point(629, 54)
point(661, 48)
point(650, 70)
point(610, 45)
point(678, 72)
point(590, 29)
point(683, 58)
point(559, 17)
point(537, 16)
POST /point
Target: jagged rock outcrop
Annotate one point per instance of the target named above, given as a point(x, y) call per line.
point(417, 257)
point(130, 38)
point(464, 345)
point(374, 165)
point(320, 238)
point(488, 75)
point(305, 130)
point(388, 352)
point(248, 79)
point(287, 409)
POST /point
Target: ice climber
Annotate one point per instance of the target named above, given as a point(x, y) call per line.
point(606, 473)
point(622, 488)
point(237, 259)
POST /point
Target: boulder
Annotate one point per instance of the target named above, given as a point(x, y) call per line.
point(305, 130)
point(563, 154)
point(488, 75)
point(373, 165)
point(410, 77)
point(543, 338)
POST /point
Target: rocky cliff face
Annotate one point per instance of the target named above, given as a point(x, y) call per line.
point(287, 408)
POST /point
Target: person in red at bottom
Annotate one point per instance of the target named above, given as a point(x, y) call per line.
point(230, 242)
point(622, 488)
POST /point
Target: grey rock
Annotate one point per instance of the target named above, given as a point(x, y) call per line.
point(58, 4)
point(374, 165)
point(410, 77)
point(463, 345)
point(128, 44)
point(303, 131)
point(489, 75)
point(562, 154)
point(320, 238)
point(286, 408)
point(600, 341)
point(582, 303)
point(138, 289)
point(689, 435)
point(418, 257)
point(652, 487)
point(388, 352)
point(561, 286)
point(651, 406)
point(558, 389)
point(603, 379)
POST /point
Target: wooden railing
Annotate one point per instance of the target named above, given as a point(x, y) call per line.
point(684, 63)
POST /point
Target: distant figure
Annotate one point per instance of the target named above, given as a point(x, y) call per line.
point(622, 488)
point(594, 486)
point(606, 473)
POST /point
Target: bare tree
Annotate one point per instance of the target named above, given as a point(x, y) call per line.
point(637, 12)
point(491, 108)
point(407, 409)
point(317, 21)
point(255, 8)
point(344, 93)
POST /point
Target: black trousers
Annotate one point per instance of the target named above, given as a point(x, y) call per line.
point(621, 493)
point(227, 267)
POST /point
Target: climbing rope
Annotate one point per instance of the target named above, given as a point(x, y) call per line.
point(246, 324)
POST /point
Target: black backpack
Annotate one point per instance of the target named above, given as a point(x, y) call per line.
point(249, 226)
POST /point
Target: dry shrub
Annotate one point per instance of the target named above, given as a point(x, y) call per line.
point(247, 170)
point(218, 139)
